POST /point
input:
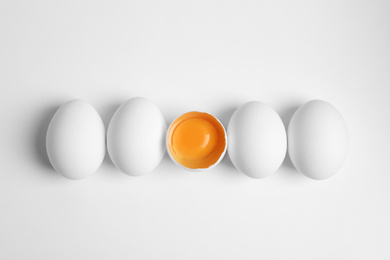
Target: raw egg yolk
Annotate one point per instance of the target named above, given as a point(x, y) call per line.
point(196, 140)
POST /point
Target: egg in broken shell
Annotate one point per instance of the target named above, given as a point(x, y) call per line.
point(196, 141)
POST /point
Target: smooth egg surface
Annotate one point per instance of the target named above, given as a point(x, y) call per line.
point(196, 140)
point(75, 140)
point(257, 139)
point(317, 140)
point(136, 137)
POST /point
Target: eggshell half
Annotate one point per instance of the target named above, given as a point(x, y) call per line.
point(136, 137)
point(257, 139)
point(317, 140)
point(75, 140)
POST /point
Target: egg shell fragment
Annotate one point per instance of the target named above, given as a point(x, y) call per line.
point(318, 140)
point(136, 137)
point(75, 140)
point(257, 140)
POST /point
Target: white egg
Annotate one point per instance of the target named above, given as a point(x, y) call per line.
point(136, 137)
point(75, 140)
point(317, 140)
point(257, 139)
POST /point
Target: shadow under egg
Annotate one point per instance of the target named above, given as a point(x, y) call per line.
point(40, 137)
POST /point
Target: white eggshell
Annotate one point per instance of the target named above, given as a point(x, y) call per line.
point(317, 140)
point(257, 139)
point(75, 140)
point(136, 137)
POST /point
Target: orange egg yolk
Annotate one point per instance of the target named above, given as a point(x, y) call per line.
point(196, 140)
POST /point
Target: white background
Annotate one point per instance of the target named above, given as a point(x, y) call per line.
point(194, 55)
